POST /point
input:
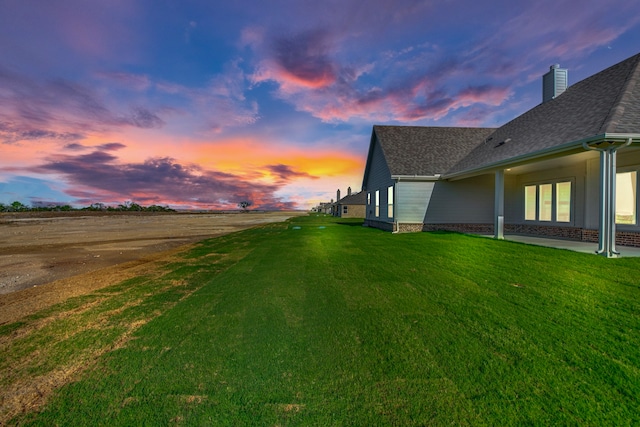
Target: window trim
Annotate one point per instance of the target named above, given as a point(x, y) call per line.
point(377, 204)
point(627, 169)
point(553, 202)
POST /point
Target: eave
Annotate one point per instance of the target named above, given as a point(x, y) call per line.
point(416, 178)
point(551, 152)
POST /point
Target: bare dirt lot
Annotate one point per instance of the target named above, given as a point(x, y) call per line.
point(49, 257)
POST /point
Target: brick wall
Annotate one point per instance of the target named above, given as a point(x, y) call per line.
point(460, 228)
point(627, 238)
point(623, 238)
point(353, 211)
point(571, 233)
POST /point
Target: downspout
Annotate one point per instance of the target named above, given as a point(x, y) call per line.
point(607, 221)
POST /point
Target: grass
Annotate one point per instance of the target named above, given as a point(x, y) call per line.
point(320, 321)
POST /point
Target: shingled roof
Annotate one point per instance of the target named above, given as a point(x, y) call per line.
point(425, 151)
point(604, 104)
point(354, 199)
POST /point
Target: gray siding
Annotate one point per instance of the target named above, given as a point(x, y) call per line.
point(379, 179)
point(513, 200)
point(592, 194)
point(412, 199)
point(468, 201)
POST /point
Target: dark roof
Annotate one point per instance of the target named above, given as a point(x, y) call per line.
point(426, 151)
point(354, 199)
point(607, 102)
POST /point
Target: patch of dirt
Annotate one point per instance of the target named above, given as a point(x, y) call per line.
point(49, 257)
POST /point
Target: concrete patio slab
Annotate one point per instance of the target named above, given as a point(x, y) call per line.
point(585, 247)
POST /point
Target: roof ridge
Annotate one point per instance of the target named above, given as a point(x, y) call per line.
point(618, 106)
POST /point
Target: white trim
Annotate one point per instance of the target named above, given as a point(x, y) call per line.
point(435, 177)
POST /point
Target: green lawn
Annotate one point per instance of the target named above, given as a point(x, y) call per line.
point(321, 321)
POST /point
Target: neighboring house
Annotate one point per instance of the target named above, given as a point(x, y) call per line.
point(566, 168)
point(353, 205)
point(326, 208)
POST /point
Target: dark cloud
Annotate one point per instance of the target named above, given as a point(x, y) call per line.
point(11, 133)
point(97, 176)
point(143, 118)
point(111, 146)
point(305, 58)
point(74, 147)
point(285, 173)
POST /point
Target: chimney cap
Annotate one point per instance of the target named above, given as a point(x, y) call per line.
point(554, 66)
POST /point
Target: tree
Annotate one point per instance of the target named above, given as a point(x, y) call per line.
point(18, 207)
point(244, 205)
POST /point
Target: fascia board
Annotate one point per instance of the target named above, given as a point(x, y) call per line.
point(420, 178)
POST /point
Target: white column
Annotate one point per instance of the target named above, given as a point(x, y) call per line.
point(498, 225)
point(607, 220)
point(607, 223)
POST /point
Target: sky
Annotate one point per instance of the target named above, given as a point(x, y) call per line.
point(202, 104)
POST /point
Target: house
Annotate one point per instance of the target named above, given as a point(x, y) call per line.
point(353, 205)
point(326, 208)
point(566, 168)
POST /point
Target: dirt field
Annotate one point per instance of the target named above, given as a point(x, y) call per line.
point(47, 258)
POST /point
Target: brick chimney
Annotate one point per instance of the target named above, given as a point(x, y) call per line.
point(349, 191)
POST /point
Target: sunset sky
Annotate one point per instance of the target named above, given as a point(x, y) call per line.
point(204, 103)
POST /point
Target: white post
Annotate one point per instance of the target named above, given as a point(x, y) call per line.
point(607, 223)
point(498, 225)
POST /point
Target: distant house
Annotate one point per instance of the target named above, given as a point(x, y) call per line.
point(566, 168)
point(325, 208)
point(353, 205)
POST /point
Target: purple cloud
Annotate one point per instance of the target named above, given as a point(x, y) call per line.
point(11, 133)
point(142, 118)
point(335, 72)
point(97, 176)
point(111, 146)
point(303, 59)
point(55, 109)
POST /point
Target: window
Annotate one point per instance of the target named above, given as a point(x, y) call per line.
point(368, 198)
point(626, 183)
point(563, 201)
point(344, 209)
point(544, 204)
point(377, 203)
point(390, 202)
point(548, 202)
point(530, 192)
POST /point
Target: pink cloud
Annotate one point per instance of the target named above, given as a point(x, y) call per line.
point(402, 104)
point(299, 62)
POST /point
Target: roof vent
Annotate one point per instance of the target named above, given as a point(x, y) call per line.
point(554, 82)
